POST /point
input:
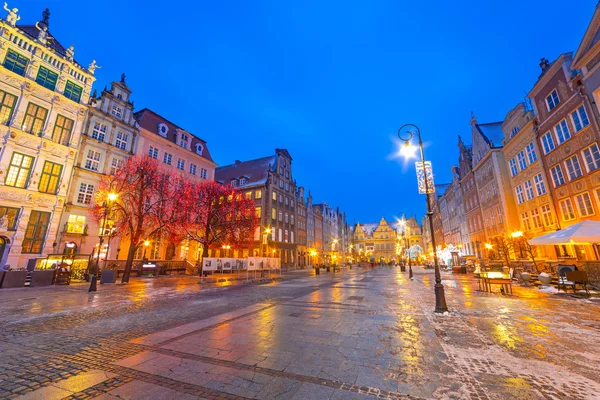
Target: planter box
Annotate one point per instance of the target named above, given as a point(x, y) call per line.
point(108, 276)
point(13, 279)
point(42, 277)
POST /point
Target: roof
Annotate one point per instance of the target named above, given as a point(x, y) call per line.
point(33, 32)
point(256, 171)
point(589, 40)
point(369, 228)
point(492, 132)
point(149, 120)
point(440, 188)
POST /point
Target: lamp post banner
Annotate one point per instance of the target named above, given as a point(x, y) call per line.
point(421, 176)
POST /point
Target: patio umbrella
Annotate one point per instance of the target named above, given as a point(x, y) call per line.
point(586, 232)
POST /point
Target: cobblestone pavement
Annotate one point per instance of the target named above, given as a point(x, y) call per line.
point(359, 334)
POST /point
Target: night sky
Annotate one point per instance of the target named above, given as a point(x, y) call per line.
point(331, 81)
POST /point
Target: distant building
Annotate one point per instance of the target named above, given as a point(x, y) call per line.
point(270, 183)
point(375, 241)
point(301, 220)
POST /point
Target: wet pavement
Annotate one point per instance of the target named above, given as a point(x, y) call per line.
point(358, 334)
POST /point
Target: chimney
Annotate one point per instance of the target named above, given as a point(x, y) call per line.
point(544, 64)
point(238, 162)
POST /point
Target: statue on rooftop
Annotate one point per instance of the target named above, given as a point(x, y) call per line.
point(43, 35)
point(12, 16)
point(70, 52)
point(93, 66)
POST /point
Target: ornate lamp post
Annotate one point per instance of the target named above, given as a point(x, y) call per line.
point(110, 197)
point(406, 133)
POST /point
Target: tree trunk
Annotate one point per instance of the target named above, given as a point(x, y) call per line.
point(204, 254)
point(129, 263)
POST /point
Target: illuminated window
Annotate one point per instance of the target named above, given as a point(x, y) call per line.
point(50, 177)
point(19, 170)
point(535, 217)
point(35, 233)
point(7, 106)
point(62, 130)
point(258, 194)
point(35, 117)
point(76, 223)
point(258, 212)
point(11, 214)
point(273, 213)
point(547, 214)
point(525, 221)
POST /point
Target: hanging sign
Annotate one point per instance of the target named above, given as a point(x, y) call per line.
point(421, 176)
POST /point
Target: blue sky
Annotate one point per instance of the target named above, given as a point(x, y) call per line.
point(330, 81)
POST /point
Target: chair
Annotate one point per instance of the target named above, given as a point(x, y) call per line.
point(575, 278)
point(562, 278)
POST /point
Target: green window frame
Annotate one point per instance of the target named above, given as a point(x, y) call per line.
point(7, 107)
point(35, 235)
point(47, 78)
point(12, 214)
point(15, 62)
point(50, 177)
point(19, 170)
point(73, 91)
point(62, 130)
point(35, 118)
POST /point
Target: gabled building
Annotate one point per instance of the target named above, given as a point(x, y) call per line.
point(454, 221)
point(527, 176)
point(44, 91)
point(477, 238)
point(270, 183)
point(567, 131)
point(107, 141)
point(491, 180)
point(301, 217)
point(375, 241)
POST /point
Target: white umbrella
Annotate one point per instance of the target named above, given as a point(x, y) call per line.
point(586, 232)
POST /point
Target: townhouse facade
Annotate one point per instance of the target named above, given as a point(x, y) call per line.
point(43, 97)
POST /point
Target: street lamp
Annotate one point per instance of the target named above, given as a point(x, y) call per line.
point(265, 241)
point(110, 197)
point(407, 151)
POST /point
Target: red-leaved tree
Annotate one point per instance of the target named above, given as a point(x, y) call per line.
point(214, 214)
point(145, 206)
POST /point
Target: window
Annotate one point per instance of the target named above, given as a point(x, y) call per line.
point(181, 164)
point(281, 184)
point(521, 159)
point(92, 161)
point(193, 169)
point(552, 100)
point(168, 158)
point(280, 235)
point(47, 78)
point(73, 91)
point(50, 177)
point(62, 130)
point(34, 120)
point(286, 201)
point(529, 190)
point(557, 175)
point(258, 194)
point(580, 119)
point(547, 143)
point(280, 216)
point(15, 62)
point(36, 232)
point(499, 215)
point(535, 217)
point(248, 195)
point(99, 131)
point(274, 196)
point(286, 218)
point(18, 170)
point(7, 106)
point(115, 165)
point(520, 196)
point(258, 212)
point(85, 193)
point(292, 219)
point(566, 207)
point(292, 203)
point(183, 140)
point(203, 173)
point(76, 223)
point(562, 131)
point(547, 214)
point(514, 131)
point(153, 152)
point(117, 111)
point(539, 184)
point(12, 215)
point(573, 167)
point(122, 139)
point(287, 187)
point(592, 157)
point(273, 213)
point(531, 155)
point(525, 221)
point(584, 204)
point(280, 199)
point(513, 167)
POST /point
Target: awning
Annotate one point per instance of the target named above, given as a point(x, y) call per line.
point(586, 232)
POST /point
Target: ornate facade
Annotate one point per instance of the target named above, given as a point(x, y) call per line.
point(43, 94)
point(375, 241)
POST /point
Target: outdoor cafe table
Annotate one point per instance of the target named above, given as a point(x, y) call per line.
point(485, 277)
